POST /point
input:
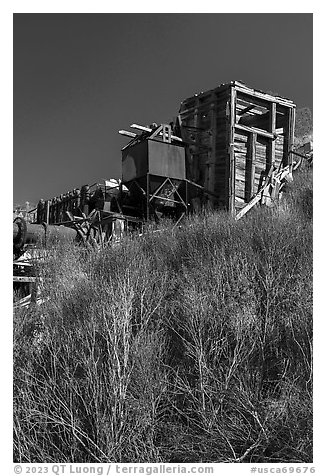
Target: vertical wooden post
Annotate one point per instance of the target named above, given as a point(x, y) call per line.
point(288, 136)
point(231, 178)
point(270, 158)
point(293, 113)
point(47, 212)
point(291, 135)
point(211, 156)
point(250, 168)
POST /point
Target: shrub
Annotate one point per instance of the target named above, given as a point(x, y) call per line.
point(186, 344)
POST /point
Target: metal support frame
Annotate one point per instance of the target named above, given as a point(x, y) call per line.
point(165, 131)
point(151, 196)
point(147, 196)
point(155, 194)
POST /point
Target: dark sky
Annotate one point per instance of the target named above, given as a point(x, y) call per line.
point(79, 78)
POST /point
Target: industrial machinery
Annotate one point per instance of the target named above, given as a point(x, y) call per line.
point(27, 240)
point(229, 148)
point(226, 147)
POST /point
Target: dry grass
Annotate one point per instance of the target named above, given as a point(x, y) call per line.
point(190, 345)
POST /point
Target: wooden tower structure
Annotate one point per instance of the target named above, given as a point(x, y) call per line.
point(238, 143)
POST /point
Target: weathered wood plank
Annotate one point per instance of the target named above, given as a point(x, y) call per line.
point(270, 152)
point(24, 279)
point(231, 181)
point(263, 97)
point(251, 167)
point(254, 129)
point(205, 107)
point(127, 133)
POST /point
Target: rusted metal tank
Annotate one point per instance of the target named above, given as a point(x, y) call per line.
point(25, 233)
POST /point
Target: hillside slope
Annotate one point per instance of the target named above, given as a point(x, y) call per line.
point(183, 345)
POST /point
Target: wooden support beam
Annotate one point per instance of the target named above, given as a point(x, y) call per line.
point(22, 263)
point(262, 97)
point(291, 133)
point(260, 132)
point(148, 129)
point(279, 176)
point(270, 153)
point(303, 156)
point(231, 181)
point(201, 187)
point(192, 108)
point(141, 128)
point(257, 197)
point(262, 121)
point(127, 133)
point(247, 109)
point(211, 156)
point(47, 212)
point(288, 137)
point(24, 279)
point(250, 166)
point(252, 203)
